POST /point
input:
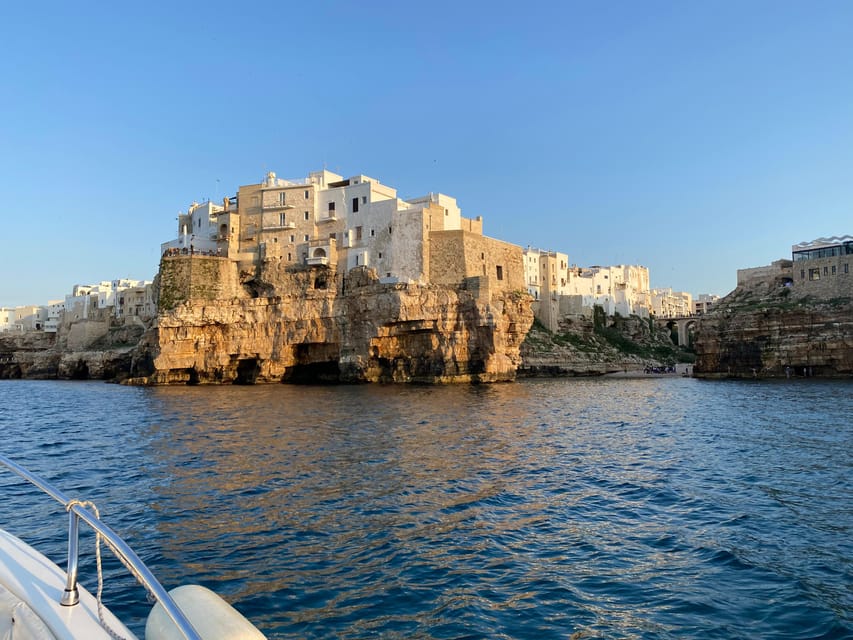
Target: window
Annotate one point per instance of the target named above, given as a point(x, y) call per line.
point(833, 269)
point(356, 259)
point(332, 236)
point(293, 238)
point(306, 215)
point(825, 271)
point(306, 194)
point(802, 274)
point(363, 199)
point(281, 220)
point(281, 197)
point(372, 233)
point(846, 267)
point(358, 233)
point(288, 257)
point(306, 237)
point(380, 255)
point(355, 205)
point(331, 208)
point(500, 271)
point(814, 274)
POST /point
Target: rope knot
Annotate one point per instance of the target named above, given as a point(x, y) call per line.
point(86, 504)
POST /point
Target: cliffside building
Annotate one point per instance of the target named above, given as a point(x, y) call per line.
point(561, 290)
point(704, 303)
point(122, 298)
point(822, 267)
point(23, 318)
point(345, 223)
point(667, 303)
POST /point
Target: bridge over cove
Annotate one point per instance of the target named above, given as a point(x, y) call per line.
point(681, 328)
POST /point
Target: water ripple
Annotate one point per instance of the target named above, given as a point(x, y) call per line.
point(544, 509)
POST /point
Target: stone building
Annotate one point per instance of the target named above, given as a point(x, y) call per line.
point(344, 223)
point(822, 267)
point(23, 318)
point(560, 290)
point(704, 302)
point(778, 273)
point(667, 303)
point(7, 319)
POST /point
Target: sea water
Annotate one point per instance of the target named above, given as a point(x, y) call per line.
point(569, 508)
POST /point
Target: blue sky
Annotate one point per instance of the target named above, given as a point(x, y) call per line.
point(694, 138)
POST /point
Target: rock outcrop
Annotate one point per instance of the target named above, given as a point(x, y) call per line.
point(80, 350)
point(591, 347)
point(769, 329)
point(307, 324)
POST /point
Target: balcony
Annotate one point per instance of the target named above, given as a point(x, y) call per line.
point(279, 227)
point(269, 206)
point(330, 216)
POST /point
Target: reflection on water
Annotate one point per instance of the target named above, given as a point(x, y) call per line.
point(656, 508)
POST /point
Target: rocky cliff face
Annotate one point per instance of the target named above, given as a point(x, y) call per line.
point(79, 351)
point(770, 330)
point(588, 347)
point(309, 324)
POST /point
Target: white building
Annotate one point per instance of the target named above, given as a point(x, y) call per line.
point(23, 318)
point(622, 289)
point(704, 302)
point(563, 290)
point(342, 222)
point(667, 303)
point(55, 309)
point(7, 319)
point(198, 229)
point(107, 294)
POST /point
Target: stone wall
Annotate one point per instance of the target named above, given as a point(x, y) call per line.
point(772, 273)
point(825, 278)
point(196, 277)
point(456, 255)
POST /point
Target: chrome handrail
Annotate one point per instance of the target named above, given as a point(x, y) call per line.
point(115, 542)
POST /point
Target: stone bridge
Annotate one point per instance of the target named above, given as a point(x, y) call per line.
point(681, 328)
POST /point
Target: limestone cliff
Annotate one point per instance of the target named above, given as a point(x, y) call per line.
point(597, 346)
point(92, 348)
point(311, 324)
point(772, 330)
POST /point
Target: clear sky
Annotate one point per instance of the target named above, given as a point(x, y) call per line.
point(693, 137)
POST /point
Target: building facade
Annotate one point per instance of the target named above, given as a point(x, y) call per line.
point(667, 303)
point(345, 223)
point(822, 267)
point(703, 303)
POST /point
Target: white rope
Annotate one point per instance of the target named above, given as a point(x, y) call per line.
point(101, 618)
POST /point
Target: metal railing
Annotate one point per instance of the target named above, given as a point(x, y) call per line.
point(77, 512)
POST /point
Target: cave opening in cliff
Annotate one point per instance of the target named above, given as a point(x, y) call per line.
point(314, 363)
point(80, 371)
point(247, 371)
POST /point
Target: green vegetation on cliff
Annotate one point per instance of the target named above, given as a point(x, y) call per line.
point(585, 346)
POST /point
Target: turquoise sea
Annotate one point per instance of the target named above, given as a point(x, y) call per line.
point(569, 508)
